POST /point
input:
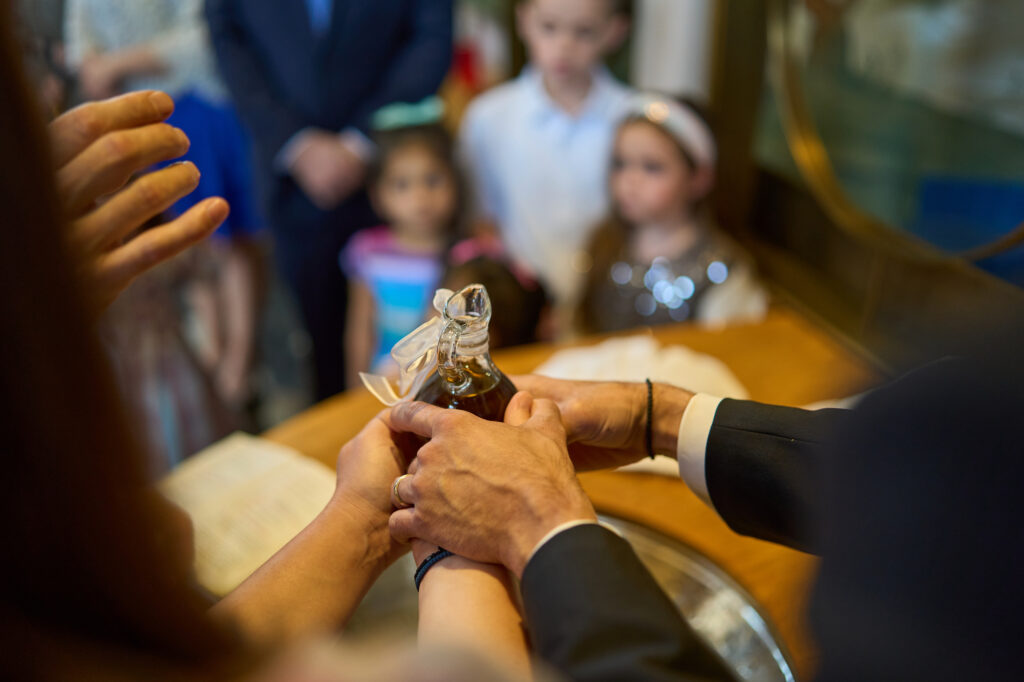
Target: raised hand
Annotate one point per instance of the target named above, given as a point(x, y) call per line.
point(97, 149)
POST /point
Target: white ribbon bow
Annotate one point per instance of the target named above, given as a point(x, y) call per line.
point(416, 356)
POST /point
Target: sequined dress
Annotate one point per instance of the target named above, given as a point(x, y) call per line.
point(711, 282)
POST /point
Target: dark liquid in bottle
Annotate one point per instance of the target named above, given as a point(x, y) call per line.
point(487, 396)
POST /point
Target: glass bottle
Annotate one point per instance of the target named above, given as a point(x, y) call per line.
point(466, 377)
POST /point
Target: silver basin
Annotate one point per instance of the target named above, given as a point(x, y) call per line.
point(719, 610)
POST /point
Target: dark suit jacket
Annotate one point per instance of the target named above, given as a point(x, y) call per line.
point(284, 79)
point(763, 467)
point(914, 500)
point(596, 614)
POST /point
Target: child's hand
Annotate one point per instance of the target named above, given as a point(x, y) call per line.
point(97, 148)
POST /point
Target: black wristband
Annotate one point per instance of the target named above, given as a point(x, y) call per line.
point(428, 564)
point(649, 430)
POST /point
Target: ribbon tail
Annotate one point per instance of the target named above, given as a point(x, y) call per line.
point(381, 388)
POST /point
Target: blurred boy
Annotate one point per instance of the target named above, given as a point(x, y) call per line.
point(537, 147)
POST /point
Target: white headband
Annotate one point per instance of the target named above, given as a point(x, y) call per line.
point(684, 125)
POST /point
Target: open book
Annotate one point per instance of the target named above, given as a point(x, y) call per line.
point(247, 498)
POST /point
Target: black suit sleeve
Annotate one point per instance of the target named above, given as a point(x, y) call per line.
point(595, 613)
point(763, 464)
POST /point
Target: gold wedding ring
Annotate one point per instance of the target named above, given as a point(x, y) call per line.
point(396, 498)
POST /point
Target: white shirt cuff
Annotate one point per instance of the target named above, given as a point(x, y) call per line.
point(691, 448)
point(286, 157)
point(359, 144)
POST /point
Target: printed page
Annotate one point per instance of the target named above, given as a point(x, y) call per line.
point(247, 498)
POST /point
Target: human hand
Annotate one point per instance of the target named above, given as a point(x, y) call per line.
point(96, 149)
point(367, 466)
point(605, 422)
point(99, 77)
point(484, 490)
point(326, 170)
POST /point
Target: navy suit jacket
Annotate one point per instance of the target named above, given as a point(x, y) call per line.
point(283, 78)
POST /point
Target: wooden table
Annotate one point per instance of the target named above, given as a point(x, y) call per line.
point(785, 360)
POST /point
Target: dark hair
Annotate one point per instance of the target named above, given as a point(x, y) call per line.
point(623, 7)
point(606, 246)
point(438, 142)
point(91, 565)
point(517, 307)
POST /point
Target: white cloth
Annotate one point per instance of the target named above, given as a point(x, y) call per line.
point(174, 29)
point(541, 174)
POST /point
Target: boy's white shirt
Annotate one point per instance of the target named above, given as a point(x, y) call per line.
point(542, 174)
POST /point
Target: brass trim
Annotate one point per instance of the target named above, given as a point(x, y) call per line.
point(816, 168)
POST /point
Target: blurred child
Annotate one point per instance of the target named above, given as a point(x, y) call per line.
point(116, 46)
point(536, 148)
point(394, 269)
point(657, 258)
point(519, 301)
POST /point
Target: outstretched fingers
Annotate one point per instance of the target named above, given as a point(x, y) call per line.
point(123, 214)
point(74, 131)
point(122, 265)
point(107, 164)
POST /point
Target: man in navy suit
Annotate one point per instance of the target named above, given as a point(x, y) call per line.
point(307, 78)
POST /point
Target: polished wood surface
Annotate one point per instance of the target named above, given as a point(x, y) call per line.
point(784, 360)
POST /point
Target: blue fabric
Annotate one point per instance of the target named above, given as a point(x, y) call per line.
point(957, 214)
point(220, 151)
point(320, 15)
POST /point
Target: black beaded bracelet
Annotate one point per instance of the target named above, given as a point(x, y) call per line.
point(649, 430)
point(428, 564)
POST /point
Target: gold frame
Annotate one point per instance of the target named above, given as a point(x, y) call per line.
point(816, 168)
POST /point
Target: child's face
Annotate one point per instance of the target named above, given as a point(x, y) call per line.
point(651, 181)
point(417, 192)
point(567, 38)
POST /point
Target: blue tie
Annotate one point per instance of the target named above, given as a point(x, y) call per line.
point(320, 15)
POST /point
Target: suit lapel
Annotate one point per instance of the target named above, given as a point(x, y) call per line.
point(344, 16)
point(292, 20)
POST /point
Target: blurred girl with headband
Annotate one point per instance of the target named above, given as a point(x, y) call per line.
point(657, 258)
point(394, 269)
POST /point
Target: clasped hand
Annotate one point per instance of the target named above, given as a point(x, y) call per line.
point(488, 491)
point(491, 491)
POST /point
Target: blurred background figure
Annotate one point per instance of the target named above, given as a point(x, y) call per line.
point(307, 78)
point(178, 408)
point(536, 148)
point(658, 258)
point(118, 46)
point(42, 24)
point(394, 269)
point(519, 301)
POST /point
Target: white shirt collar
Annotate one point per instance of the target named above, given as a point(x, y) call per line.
point(604, 92)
